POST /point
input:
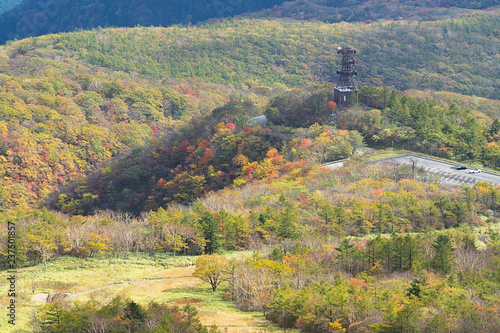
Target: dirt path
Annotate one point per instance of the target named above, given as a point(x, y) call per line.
point(43, 296)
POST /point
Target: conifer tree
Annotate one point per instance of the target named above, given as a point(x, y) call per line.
point(443, 258)
point(211, 232)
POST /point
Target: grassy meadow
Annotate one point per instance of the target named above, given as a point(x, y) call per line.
point(163, 278)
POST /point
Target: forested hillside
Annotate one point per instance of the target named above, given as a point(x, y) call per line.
point(74, 101)
point(7, 5)
point(454, 55)
point(61, 119)
point(367, 11)
point(128, 143)
point(307, 227)
point(35, 18)
point(220, 150)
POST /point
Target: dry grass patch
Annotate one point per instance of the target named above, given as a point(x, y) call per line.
point(178, 272)
point(186, 301)
point(57, 286)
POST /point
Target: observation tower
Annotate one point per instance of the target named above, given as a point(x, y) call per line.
point(345, 86)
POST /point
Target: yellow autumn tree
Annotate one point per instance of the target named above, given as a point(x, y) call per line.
point(98, 245)
point(211, 269)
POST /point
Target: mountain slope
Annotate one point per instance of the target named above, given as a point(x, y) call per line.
point(6, 5)
point(455, 55)
point(61, 118)
point(35, 18)
point(370, 10)
point(70, 102)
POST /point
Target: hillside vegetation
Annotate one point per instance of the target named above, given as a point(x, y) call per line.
point(7, 5)
point(296, 221)
point(73, 101)
point(454, 55)
point(368, 10)
point(61, 119)
point(35, 18)
point(118, 144)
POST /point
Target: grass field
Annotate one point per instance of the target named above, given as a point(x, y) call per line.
point(164, 279)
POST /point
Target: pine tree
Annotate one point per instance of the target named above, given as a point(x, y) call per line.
point(287, 220)
point(211, 232)
point(443, 258)
point(134, 311)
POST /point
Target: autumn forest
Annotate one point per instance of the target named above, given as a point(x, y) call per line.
point(132, 144)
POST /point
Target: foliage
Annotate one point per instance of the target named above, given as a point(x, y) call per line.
point(7, 5)
point(56, 128)
point(367, 11)
point(280, 52)
point(119, 315)
point(32, 18)
point(290, 200)
point(443, 129)
point(84, 14)
point(190, 175)
point(211, 269)
point(316, 291)
point(61, 120)
point(443, 258)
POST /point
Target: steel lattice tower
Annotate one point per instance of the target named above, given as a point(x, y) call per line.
point(346, 72)
point(346, 84)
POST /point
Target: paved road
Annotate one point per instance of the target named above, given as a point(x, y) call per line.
point(339, 163)
point(334, 165)
point(445, 171)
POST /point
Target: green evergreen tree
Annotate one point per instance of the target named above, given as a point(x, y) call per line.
point(134, 311)
point(416, 288)
point(211, 232)
point(495, 127)
point(443, 257)
point(411, 252)
point(287, 220)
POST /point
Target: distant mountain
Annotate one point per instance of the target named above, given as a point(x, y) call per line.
point(6, 5)
point(35, 17)
point(372, 10)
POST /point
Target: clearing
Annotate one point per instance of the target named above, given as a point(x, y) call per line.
point(163, 279)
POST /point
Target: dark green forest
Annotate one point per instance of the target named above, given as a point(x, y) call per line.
point(7, 5)
point(35, 18)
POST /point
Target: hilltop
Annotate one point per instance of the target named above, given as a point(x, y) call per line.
point(454, 55)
